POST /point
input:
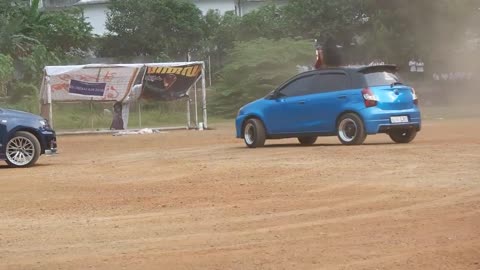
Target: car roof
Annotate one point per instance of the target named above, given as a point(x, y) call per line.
point(375, 68)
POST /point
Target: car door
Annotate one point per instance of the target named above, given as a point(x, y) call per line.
point(285, 113)
point(3, 133)
point(329, 95)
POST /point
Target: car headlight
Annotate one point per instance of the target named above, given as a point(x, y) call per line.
point(240, 112)
point(44, 124)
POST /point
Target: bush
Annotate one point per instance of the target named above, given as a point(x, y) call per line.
point(255, 68)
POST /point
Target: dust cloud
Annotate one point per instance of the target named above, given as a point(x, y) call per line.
point(449, 85)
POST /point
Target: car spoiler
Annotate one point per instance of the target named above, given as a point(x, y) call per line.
point(378, 68)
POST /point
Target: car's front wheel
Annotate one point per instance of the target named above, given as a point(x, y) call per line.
point(22, 150)
point(307, 140)
point(254, 133)
point(351, 130)
point(403, 135)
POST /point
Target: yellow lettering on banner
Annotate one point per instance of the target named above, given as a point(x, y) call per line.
point(185, 70)
point(191, 71)
point(151, 70)
point(172, 70)
point(178, 71)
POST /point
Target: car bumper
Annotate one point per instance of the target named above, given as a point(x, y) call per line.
point(379, 121)
point(238, 125)
point(49, 142)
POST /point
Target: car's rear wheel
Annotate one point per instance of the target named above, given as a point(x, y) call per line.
point(307, 140)
point(254, 133)
point(403, 135)
point(22, 150)
point(351, 130)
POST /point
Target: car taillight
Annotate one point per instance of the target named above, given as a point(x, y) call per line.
point(369, 98)
point(414, 96)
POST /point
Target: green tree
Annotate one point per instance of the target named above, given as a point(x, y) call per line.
point(268, 21)
point(25, 26)
point(220, 33)
point(6, 72)
point(255, 68)
point(31, 38)
point(153, 28)
point(340, 19)
point(67, 31)
point(12, 41)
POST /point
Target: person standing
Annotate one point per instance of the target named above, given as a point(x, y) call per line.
point(413, 65)
point(117, 121)
point(320, 61)
point(420, 69)
point(420, 66)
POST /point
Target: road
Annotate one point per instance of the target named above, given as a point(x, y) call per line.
point(201, 200)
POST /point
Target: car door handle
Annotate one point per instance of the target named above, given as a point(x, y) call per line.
point(342, 97)
point(301, 102)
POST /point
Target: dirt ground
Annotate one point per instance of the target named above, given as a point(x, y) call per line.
point(201, 200)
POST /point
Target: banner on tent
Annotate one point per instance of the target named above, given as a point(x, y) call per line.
point(87, 88)
point(169, 83)
point(91, 83)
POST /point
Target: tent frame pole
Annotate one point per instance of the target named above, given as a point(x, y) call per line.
point(139, 103)
point(49, 100)
point(204, 97)
point(196, 105)
point(189, 121)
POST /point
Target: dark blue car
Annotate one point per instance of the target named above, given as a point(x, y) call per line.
point(24, 137)
point(349, 102)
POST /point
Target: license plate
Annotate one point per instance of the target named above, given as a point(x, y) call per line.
point(399, 119)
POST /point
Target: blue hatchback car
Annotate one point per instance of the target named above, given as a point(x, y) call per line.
point(347, 102)
point(24, 137)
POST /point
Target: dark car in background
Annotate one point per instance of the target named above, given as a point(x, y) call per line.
point(24, 137)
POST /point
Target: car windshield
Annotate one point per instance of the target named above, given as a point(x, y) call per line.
point(381, 78)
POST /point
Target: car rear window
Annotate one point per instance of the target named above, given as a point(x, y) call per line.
point(381, 78)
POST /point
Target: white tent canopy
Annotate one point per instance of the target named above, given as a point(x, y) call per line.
point(117, 81)
point(55, 70)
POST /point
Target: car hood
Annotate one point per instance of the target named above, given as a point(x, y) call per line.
point(18, 114)
point(254, 103)
point(245, 109)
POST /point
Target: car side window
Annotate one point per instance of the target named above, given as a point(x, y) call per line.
point(299, 87)
point(329, 82)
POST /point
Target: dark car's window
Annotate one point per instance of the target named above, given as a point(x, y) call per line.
point(381, 78)
point(301, 86)
point(331, 82)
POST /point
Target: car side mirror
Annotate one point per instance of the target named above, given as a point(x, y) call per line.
point(274, 95)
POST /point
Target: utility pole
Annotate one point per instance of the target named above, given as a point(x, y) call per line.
point(238, 4)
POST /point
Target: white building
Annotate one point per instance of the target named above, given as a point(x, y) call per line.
point(95, 11)
point(221, 6)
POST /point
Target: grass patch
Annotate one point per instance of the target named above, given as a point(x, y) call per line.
point(98, 116)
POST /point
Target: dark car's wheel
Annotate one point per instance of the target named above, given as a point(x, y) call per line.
point(403, 135)
point(351, 130)
point(22, 150)
point(254, 133)
point(307, 140)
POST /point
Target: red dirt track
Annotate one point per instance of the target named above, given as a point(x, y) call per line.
point(201, 200)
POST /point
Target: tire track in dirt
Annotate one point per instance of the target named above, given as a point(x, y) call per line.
point(203, 201)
